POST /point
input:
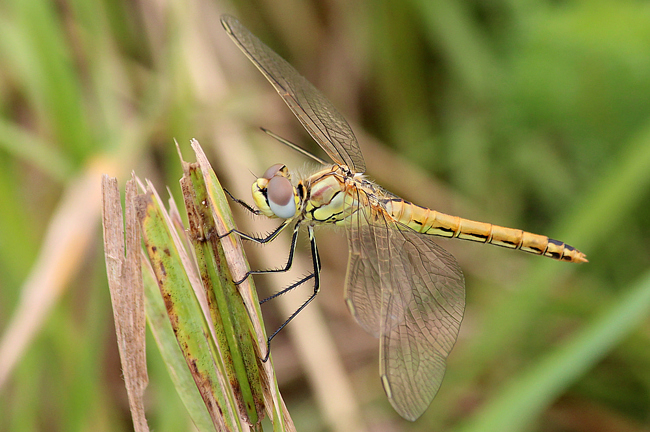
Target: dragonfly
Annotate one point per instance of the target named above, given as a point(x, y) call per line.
point(400, 286)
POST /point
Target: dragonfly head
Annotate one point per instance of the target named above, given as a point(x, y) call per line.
point(273, 193)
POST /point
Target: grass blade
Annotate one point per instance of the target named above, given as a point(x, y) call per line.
point(530, 393)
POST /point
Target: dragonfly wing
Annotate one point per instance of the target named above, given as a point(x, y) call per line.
point(415, 351)
point(410, 292)
point(367, 275)
point(317, 114)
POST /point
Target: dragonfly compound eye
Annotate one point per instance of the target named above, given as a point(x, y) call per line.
point(281, 197)
point(272, 171)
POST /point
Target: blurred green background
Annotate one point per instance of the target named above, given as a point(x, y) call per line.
point(531, 114)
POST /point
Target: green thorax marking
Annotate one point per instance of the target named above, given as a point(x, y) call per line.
point(332, 196)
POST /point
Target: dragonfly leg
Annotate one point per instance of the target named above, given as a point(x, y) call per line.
point(287, 266)
point(316, 275)
point(270, 237)
point(261, 240)
point(244, 204)
point(289, 288)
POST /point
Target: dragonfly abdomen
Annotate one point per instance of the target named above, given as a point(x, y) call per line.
point(431, 222)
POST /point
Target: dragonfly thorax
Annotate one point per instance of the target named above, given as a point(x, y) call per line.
point(330, 196)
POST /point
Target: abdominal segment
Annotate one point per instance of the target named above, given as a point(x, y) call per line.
point(431, 222)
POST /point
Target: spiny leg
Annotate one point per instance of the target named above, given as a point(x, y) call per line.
point(294, 239)
point(316, 275)
point(263, 240)
point(244, 204)
point(270, 237)
point(287, 289)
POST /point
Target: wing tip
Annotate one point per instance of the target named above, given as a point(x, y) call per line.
point(410, 413)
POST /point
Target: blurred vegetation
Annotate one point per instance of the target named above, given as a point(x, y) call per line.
point(533, 114)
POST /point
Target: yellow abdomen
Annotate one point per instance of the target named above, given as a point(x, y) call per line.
point(431, 222)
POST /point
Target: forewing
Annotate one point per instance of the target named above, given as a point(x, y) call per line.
point(323, 122)
point(410, 292)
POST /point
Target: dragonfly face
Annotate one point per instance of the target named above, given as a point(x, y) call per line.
point(400, 285)
point(274, 195)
